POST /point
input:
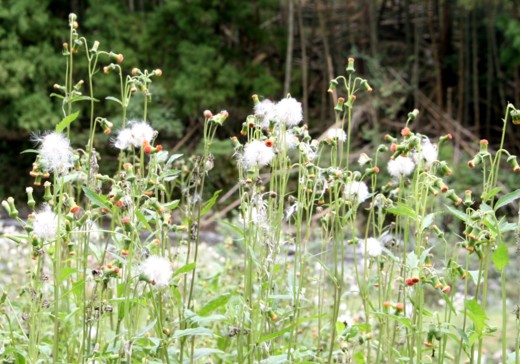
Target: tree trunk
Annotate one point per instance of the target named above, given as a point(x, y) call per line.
point(303, 46)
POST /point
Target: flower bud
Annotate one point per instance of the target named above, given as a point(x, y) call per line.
point(95, 46)
point(468, 201)
point(30, 199)
point(47, 196)
point(515, 116)
point(413, 114)
point(332, 86)
point(513, 163)
point(484, 146)
point(340, 105)
point(367, 87)
point(350, 66)
point(475, 161)
point(158, 72)
point(208, 114)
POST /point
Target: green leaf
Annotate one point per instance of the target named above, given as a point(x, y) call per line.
point(96, 199)
point(147, 328)
point(411, 260)
point(238, 230)
point(507, 199)
point(197, 331)
point(63, 124)
point(458, 214)
point(402, 210)
point(476, 314)
point(57, 95)
point(184, 269)
point(500, 257)
point(492, 193)
point(29, 151)
point(143, 221)
point(210, 203)
point(82, 98)
point(111, 98)
point(172, 205)
point(213, 304)
point(427, 220)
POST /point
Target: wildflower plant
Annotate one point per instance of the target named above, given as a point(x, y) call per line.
point(328, 260)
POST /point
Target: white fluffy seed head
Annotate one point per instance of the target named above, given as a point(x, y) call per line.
point(141, 132)
point(55, 152)
point(364, 159)
point(157, 270)
point(428, 153)
point(336, 134)
point(289, 111)
point(265, 112)
point(45, 224)
point(401, 167)
point(256, 153)
point(374, 247)
point(356, 192)
point(123, 140)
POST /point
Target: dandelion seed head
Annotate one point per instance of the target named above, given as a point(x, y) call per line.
point(356, 192)
point(55, 152)
point(289, 111)
point(374, 247)
point(256, 153)
point(123, 140)
point(401, 167)
point(336, 134)
point(45, 224)
point(141, 132)
point(428, 153)
point(158, 270)
point(265, 112)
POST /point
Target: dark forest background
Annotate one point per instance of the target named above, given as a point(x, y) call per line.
point(457, 61)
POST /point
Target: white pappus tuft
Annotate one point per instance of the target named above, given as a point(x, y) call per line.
point(157, 270)
point(289, 112)
point(336, 134)
point(55, 152)
point(356, 192)
point(141, 132)
point(401, 167)
point(265, 112)
point(256, 153)
point(373, 247)
point(45, 224)
point(428, 153)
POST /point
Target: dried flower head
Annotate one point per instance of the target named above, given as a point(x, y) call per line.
point(157, 270)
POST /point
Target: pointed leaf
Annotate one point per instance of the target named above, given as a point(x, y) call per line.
point(66, 122)
point(507, 199)
point(96, 199)
point(184, 269)
point(143, 221)
point(476, 314)
point(500, 257)
point(210, 203)
point(197, 331)
point(214, 303)
point(458, 214)
point(402, 210)
point(111, 98)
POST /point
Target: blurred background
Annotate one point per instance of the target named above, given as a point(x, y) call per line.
point(457, 61)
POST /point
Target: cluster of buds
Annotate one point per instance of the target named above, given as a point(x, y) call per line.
point(38, 173)
point(397, 306)
point(409, 142)
point(218, 118)
point(149, 149)
point(440, 284)
point(105, 272)
point(10, 208)
point(479, 157)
